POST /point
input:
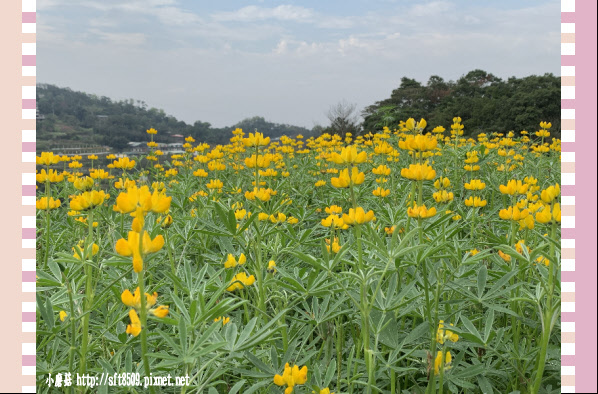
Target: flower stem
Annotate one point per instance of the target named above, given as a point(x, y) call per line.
point(88, 293)
point(143, 319)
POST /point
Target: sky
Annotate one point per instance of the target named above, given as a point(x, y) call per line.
point(288, 61)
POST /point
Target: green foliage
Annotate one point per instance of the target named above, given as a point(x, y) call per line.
point(485, 102)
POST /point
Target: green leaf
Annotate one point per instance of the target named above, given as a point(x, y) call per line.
point(183, 334)
point(488, 325)
point(55, 270)
point(235, 389)
point(474, 331)
point(485, 385)
point(482, 276)
point(48, 311)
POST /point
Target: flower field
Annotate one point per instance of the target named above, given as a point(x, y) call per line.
point(408, 261)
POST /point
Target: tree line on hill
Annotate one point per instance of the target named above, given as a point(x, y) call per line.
point(80, 117)
point(484, 102)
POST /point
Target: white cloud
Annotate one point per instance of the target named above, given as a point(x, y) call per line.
point(124, 39)
point(254, 13)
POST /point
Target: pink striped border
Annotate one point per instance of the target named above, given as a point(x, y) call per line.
point(568, 196)
point(28, 226)
point(578, 283)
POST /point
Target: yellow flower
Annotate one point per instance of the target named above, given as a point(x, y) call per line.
point(543, 260)
point(358, 216)
point(260, 161)
point(152, 131)
point(278, 218)
point(514, 187)
point(504, 256)
point(47, 158)
point(62, 315)
point(126, 184)
point(124, 163)
point(83, 184)
point(323, 391)
point(335, 247)
point(543, 133)
point(320, 183)
point(438, 362)
point(134, 300)
point(420, 143)
point(442, 182)
point(44, 204)
point(261, 194)
point(128, 201)
point(167, 222)
point(349, 155)
point(545, 125)
point(135, 327)
point(130, 247)
point(443, 334)
point(343, 180)
point(262, 216)
point(215, 184)
point(421, 212)
point(475, 202)
point(471, 168)
point(200, 173)
point(443, 196)
point(160, 311)
point(381, 170)
point(256, 139)
point(223, 319)
point(292, 220)
point(240, 281)
point(333, 209)
point(231, 262)
point(549, 194)
point(419, 172)
point(291, 377)
point(88, 200)
point(380, 192)
point(475, 184)
point(52, 176)
point(335, 221)
point(99, 174)
point(271, 267)
point(527, 223)
point(546, 216)
point(513, 213)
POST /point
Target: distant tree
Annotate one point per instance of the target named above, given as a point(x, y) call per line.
point(344, 118)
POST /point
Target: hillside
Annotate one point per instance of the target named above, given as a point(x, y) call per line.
point(70, 118)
